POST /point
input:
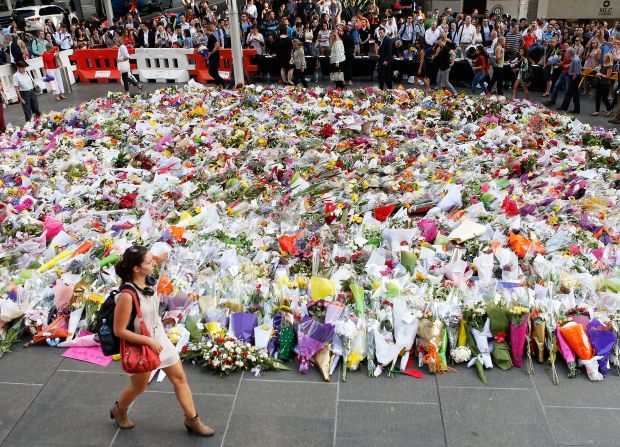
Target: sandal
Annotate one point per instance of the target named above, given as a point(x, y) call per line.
point(609, 113)
point(594, 114)
point(545, 95)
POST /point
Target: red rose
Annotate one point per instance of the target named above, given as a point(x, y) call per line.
point(128, 200)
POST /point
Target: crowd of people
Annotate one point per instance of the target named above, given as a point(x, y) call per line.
point(506, 54)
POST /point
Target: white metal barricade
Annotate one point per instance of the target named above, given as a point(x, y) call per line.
point(35, 69)
point(6, 77)
point(64, 58)
point(163, 64)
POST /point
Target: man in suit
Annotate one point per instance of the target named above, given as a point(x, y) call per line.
point(386, 57)
point(146, 37)
point(14, 52)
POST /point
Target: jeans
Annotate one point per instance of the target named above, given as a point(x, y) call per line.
point(572, 93)
point(443, 77)
point(562, 82)
point(30, 105)
point(478, 79)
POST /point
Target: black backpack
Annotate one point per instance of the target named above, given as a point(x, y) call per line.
point(106, 312)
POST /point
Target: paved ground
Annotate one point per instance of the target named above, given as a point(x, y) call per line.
point(46, 400)
point(84, 92)
point(51, 401)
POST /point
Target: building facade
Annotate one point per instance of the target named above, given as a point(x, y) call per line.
point(560, 9)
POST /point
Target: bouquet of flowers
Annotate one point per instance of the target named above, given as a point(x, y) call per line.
point(519, 321)
point(478, 333)
point(311, 337)
point(500, 323)
point(225, 355)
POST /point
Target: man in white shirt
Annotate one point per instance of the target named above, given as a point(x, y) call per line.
point(431, 35)
point(24, 86)
point(465, 36)
point(63, 38)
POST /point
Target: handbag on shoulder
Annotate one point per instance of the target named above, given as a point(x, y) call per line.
point(137, 359)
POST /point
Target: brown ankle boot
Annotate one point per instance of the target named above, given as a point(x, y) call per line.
point(120, 415)
point(194, 425)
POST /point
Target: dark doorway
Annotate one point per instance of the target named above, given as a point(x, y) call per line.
point(470, 5)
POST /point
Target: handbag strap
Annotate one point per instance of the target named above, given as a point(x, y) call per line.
point(134, 294)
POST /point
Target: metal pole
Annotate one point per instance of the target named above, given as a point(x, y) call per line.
point(235, 37)
point(109, 12)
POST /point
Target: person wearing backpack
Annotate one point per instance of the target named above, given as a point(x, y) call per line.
point(135, 270)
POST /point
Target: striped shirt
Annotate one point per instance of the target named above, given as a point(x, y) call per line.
point(513, 42)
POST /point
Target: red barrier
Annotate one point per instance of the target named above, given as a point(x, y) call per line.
point(98, 64)
point(201, 70)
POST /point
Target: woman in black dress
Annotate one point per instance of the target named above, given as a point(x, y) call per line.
point(284, 56)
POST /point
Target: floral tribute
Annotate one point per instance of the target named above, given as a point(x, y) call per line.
point(343, 231)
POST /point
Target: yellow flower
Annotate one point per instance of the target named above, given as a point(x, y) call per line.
point(262, 142)
point(167, 153)
point(197, 210)
point(365, 184)
point(322, 104)
point(419, 276)
point(107, 243)
point(357, 219)
point(553, 220)
point(340, 205)
point(331, 164)
point(96, 298)
point(244, 184)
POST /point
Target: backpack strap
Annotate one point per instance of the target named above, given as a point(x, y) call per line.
point(135, 308)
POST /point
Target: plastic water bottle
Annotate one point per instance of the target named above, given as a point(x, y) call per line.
point(105, 337)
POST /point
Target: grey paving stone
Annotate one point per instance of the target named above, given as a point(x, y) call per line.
point(268, 413)
point(389, 424)
point(159, 421)
point(399, 388)
point(201, 382)
point(15, 401)
point(76, 365)
point(82, 389)
point(579, 391)
point(55, 424)
point(474, 417)
point(468, 377)
point(591, 427)
point(29, 365)
point(313, 374)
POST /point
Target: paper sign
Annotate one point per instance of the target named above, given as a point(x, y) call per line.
point(103, 74)
point(89, 354)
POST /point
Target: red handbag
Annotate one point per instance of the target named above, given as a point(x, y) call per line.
point(137, 359)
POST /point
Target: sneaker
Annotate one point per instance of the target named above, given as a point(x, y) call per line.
point(486, 85)
point(411, 79)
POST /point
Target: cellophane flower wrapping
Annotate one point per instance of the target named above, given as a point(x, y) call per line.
point(311, 336)
point(577, 338)
point(500, 323)
point(603, 340)
point(242, 325)
point(567, 354)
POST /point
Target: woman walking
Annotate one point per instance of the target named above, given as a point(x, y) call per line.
point(523, 78)
point(498, 67)
point(51, 66)
point(122, 60)
point(444, 60)
point(135, 270)
point(603, 84)
point(481, 70)
point(336, 59)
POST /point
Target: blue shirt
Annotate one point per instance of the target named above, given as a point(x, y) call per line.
point(356, 36)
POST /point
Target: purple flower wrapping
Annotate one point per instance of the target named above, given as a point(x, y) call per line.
point(311, 337)
point(243, 324)
point(602, 340)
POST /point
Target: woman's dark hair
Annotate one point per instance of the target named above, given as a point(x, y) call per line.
point(133, 257)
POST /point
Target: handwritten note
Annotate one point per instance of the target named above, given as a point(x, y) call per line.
point(102, 74)
point(89, 354)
